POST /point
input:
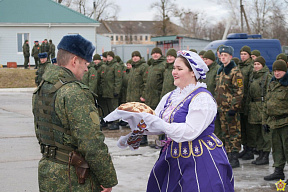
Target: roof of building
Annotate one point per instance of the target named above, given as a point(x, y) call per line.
point(135, 27)
point(39, 11)
point(173, 37)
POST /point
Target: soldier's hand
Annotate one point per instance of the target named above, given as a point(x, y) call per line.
point(266, 128)
point(231, 113)
point(106, 189)
point(142, 99)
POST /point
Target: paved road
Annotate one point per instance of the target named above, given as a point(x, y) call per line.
point(20, 154)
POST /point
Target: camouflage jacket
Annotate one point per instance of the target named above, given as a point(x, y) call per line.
point(154, 83)
point(40, 71)
point(246, 69)
point(35, 51)
point(100, 70)
point(90, 78)
point(125, 79)
point(137, 81)
point(275, 110)
point(211, 77)
point(26, 50)
point(258, 83)
point(44, 48)
point(74, 107)
point(229, 88)
point(52, 50)
point(168, 82)
point(112, 79)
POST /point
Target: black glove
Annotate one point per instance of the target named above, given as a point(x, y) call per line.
point(115, 95)
point(266, 128)
point(231, 113)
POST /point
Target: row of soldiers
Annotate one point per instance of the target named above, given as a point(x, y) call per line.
point(49, 48)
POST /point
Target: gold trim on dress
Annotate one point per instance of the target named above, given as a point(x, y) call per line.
point(190, 150)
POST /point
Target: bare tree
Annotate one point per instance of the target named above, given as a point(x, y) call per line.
point(165, 10)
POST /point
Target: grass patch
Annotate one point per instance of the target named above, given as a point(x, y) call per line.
point(17, 78)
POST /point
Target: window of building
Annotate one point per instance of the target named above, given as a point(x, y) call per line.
point(112, 38)
point(121, 38)
point(126, 38)
point(135, 37)
point(117, 38)
point(146, 38)
point(141, 38)
point(21, 37)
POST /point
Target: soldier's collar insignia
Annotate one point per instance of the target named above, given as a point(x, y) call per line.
point(280, 185)
point(240, 82)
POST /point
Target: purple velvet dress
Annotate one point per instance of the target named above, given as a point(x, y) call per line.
point(200, 165)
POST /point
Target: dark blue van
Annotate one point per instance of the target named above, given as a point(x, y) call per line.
point(269, 48)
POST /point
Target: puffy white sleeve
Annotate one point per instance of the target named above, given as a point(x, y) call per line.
point(202, 111)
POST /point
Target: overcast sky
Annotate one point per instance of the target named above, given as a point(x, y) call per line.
point(140, 9)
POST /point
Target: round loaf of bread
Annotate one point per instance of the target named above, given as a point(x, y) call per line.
point(136, 107)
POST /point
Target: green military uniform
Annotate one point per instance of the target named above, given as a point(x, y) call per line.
point(247, 139)
point(125, 80)
point(100, 76)
point(90, 78)
point(35, 52)
point(44, 47)
point(154, 83)
point(66, 119)
point(137, 81)
point(228, 94)
point(258, 83)
point(51, 50)
point(168, 82)
point(41, 70)
point(26, 53)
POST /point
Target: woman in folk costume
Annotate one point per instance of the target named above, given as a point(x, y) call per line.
point(192, 159)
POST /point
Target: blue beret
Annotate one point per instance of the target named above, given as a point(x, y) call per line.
point(77, 45)
point(226, 49)
point(42, 55)
point(54, 60)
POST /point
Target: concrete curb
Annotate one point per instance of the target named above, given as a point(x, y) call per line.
point(28, 89)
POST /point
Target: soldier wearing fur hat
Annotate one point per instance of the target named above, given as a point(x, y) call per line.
point(35, 52)
point(258, 83)
point(168, 82)
point(26, 53)
point(44, 63)
point(247, 140)
point(229, 94)
point(209, 59)
point(67, 125)
point(275, 118)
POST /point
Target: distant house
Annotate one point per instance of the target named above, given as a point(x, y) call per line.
point(39, 20)
point(136, 32)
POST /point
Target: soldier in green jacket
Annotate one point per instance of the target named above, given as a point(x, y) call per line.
point(35, 52)
point(209, 58)
point(258, 83)
point(111, 85)
point(44, 46)
point(51, 53)
point(121, 63)
point(125, 80)
point(168, 82)
point(155, 78)
point(228, 94)
point(44, 63)
point(26, 53)
point(275, 117)
point(254, 54)
point(137, 78)
point(283, 57)
point(66, 119)
point(247, 139)
point(90, 78)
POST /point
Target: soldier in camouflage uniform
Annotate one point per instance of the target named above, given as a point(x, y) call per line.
point(44, 46)
point(209, 59)
point(228, 94)
point(90, 78)
point(51, 53)
point(258, 83)
point(275, 117)
point(121, 63)
point(218, 60)
point(254, 54)
point(282, 57)
point(168, 82)
point(247, 139)
point(44, 64)
point(26, 53)
point(201, 53)
point(66, 119)
point(125, 80)
point(111, 85)
point(35, 52)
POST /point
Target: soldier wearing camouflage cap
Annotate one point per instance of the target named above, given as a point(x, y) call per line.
point(70, 123)
point(275, 118)
point(228, 94)
point(247, 140)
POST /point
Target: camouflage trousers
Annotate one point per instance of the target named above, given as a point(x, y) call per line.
point(263, 139)
point(280, 146)
point(231, 132)
point(247, 132)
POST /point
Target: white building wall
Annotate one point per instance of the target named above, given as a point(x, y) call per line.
point(103, 44)
point(8, 39)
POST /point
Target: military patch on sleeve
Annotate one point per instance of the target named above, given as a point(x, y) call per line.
point(240, 82)
point(95, 117)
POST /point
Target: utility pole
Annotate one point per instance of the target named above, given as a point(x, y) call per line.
point(246, 20)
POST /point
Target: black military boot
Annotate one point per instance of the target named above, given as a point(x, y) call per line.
point(240, 155)
point(248, 155)
point(259, 157)
point(114, 126)
point(103, 124)
point(144, 141)
point(278, 174)
point(264, 160)
point(234, 162)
